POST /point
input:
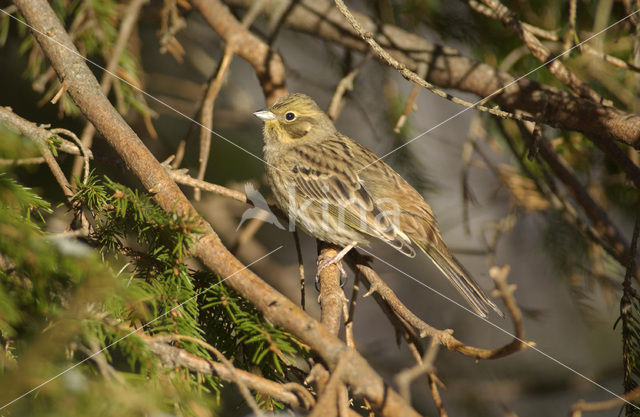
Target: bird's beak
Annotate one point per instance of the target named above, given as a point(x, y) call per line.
point(264, 115)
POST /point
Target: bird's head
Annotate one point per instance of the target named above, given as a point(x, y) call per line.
point(294, 119)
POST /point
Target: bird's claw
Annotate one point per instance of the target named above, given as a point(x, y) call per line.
point(328, 262)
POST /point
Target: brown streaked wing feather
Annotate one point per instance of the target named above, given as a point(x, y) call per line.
point(338, 186)
point(419, 224)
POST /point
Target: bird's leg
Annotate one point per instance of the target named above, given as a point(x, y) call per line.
point(335, 260)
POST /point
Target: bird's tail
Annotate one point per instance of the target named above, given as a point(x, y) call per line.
point(460, 278)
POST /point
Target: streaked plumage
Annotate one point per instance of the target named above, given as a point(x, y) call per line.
point(321, 178)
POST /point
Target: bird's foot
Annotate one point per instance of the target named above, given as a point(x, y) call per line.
point(336, 260)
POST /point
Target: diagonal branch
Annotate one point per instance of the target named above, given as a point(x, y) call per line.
point(449, 68)
point(84, 89)
point(412, 76)
point(172, 356)
point(542, 54)
point(126, 29)
point(385, 296)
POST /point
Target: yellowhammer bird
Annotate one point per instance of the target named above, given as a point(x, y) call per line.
point(338, 191)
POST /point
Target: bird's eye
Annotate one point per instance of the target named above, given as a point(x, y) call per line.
point(290, 116)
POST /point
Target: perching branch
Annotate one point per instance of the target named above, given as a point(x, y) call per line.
point(84, 89)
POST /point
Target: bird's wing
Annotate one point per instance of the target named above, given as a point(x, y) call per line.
point(324, 173)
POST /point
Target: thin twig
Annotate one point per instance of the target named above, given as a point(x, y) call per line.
point(409, 105)
point(244, 391)
point(538, 50)
point(412, 76)
point(266, 62)
point(345, 84)
point(129, 20)
point(41, 137)
point(379, 288)
point(212, 93)
point(296, 239)
point(405, 377)
point(581, 406)
point(206, 116)
point(22, 161)
point(83, 151)
point(349, 311)
point(58, 94)
point(290, 393)
point(567, 41)
point(248, 232)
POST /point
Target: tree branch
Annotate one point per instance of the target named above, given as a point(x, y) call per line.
point(449, 68)
point(171, 356)
point(84, 89)
point(266, 62)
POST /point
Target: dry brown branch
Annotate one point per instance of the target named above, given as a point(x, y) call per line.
point(206, 116)
point(412, 76)
point(18, 123)
point(22, 161)
point(171, 24)
point(581, 406)
point(331, 294)
point(555, 66)
point(171, 356)
point(345, 84)
point(242, 387)
point(333, 399)
point(84, 89)
point(41, 137)
point(488, 12)
point(380, 289)
point(434, 382)
point(448, 68)
point(266, 62)
point(409, 105)
point(84, 152)
point(296, 240)
point(127, 26)
point(206, 112)
point(58, 94)
point(185, 179)
point(567, 40)
point(405, 377)
point(181, 178)
point(348, 311)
